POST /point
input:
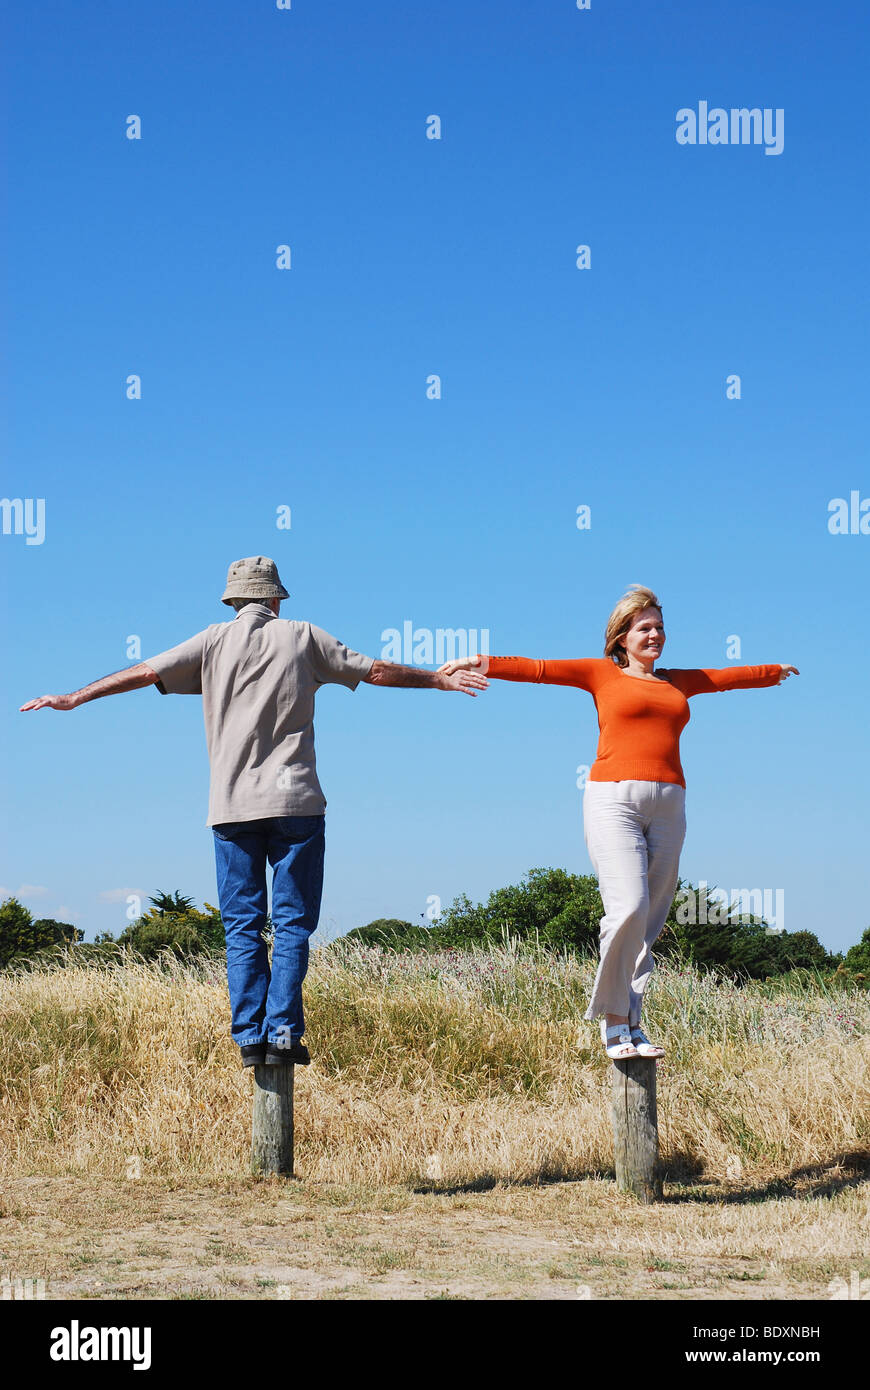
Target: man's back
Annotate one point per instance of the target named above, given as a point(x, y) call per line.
point(258, 676)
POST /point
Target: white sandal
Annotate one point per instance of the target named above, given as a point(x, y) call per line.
point(644, 1047)
point(622, 1049)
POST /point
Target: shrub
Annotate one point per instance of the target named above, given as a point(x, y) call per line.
point(557, 909)
point(185, 932)
point(392, 933)
point(562, 912)
point(857, 961)
point(22, 937)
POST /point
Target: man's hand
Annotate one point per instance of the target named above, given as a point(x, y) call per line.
point(51, 702)
point(414, 677)
point(479, 664)
point(469, 682)
point(133, 678)
point(786, 672)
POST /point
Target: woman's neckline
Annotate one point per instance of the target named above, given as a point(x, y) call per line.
point(655, 677)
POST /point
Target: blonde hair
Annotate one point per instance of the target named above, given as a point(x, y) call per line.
point(634, 601)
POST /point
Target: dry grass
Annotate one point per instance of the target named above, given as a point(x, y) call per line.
point(453, 1137)
point(449, 1070)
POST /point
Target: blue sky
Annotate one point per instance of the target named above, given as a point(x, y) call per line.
point(560, 387)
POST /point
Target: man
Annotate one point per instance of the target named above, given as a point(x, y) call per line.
point(258, 676)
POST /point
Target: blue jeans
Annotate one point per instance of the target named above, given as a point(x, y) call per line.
point(267, 1005)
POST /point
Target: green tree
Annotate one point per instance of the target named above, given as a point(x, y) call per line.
point(558, 909)
point(392, 933)
point(857, 959)
point(802, 950)
point(563, 911)
point(172, 903)
point(184, 930)
point(21, 937)
point(701, 929)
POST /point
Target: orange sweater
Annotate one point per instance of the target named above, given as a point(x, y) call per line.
point(640, 721)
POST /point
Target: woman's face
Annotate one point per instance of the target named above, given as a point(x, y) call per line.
point(646, 636)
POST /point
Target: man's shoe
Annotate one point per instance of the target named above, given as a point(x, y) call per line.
point(253, 1054)
point(281, 1054)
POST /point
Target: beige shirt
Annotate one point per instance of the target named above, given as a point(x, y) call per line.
point(258, 676)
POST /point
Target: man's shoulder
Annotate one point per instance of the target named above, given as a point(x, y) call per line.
point(215, 631)
point(276, 627)
point(282, 632)
point(299, 635)
point(312, 632)
point(298, 630)
point(207, 635)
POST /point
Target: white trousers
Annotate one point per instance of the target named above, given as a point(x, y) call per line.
point(634, 832)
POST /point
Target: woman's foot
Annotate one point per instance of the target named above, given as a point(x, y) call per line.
point(644, 1047)
point(617, 1041)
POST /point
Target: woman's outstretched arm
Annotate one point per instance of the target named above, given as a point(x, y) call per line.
point(582, 672)
point(707, 680)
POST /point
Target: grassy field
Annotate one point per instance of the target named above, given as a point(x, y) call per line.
point(452, 1136)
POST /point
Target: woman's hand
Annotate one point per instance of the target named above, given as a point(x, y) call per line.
point(786, 672)
point(479, 663)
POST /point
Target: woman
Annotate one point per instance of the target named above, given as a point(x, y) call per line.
point(634, 800)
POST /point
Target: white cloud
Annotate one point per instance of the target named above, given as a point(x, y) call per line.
point(31, 890)
point(66, 913)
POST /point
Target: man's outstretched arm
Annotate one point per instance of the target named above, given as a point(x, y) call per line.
point(131, 678)
point(390, 673)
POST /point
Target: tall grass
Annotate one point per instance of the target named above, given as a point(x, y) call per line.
point(452, 1068)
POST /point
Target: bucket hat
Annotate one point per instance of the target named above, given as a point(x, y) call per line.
point(254, 577)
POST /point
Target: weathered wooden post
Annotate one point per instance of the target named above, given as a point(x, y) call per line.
point(272, 1122)
point(635, 1128)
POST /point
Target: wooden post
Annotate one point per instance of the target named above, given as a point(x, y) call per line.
point(272, 1123)
point(635, 1128)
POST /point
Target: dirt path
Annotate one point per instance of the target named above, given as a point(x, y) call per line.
point(280, 1239)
